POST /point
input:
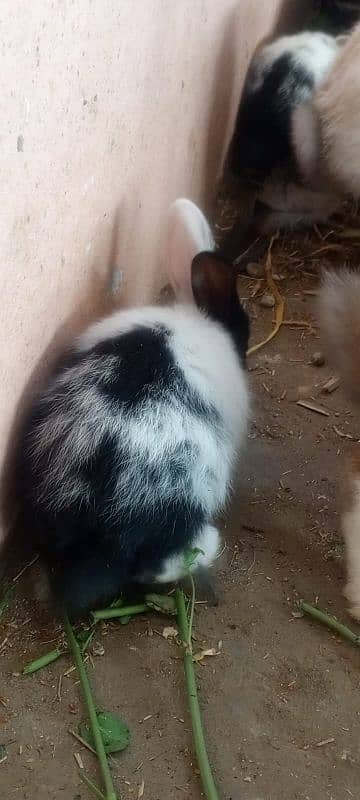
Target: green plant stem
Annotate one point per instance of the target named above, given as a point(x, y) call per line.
point(192, 611)
point(124, 611)
point(110, 793)
point(330, 622)
point(207, 779)
point(91, 785)
point(43, 661)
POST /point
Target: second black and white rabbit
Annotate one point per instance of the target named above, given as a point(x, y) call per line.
point(282, 76)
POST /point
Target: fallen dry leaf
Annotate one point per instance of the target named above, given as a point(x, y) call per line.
point(141, 790)
point(170, 633)
point(205, 653)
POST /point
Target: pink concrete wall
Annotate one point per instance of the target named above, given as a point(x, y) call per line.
point(109, 110)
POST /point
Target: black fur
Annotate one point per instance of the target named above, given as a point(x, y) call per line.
point(340, 15)
point(224, 306)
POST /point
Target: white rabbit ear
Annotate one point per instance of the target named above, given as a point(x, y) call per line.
point(188, 234)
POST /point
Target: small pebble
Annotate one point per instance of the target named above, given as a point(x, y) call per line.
point(317, 359)
point(254, 270)
point(267, 300)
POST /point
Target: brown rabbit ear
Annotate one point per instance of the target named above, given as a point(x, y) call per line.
point(214, 284)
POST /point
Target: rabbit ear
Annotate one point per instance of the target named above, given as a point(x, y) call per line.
point(188, 234)
point(214, 284)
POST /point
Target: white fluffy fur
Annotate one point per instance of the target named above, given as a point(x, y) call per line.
point(312, 50)
point(351, 533)
point(327, 137)
point(208, 542)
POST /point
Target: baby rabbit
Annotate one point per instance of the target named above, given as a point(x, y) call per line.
point(128, 451)
point(340, 321)
point(326, 130)
point(281, 75)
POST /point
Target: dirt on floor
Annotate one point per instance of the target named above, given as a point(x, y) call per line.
point(281, 698)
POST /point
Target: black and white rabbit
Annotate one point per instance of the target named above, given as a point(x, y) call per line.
point(128, 454)
point(281, 75)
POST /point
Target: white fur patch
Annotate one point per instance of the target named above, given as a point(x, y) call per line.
point(313, 51)
point(208, 541)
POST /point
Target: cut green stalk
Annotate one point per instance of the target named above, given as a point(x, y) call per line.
point(53, 655)
point(330, 622)
point(124, 611)
point(43, 661)
point(110, 793)
point(207, 779)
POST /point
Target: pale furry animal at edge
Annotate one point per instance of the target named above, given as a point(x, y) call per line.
point(129, 450)
point(339, 312)
point(326, 130)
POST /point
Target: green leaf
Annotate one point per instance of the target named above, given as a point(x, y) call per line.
point(163, 603)
point(190, 556)
point(114, 732)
